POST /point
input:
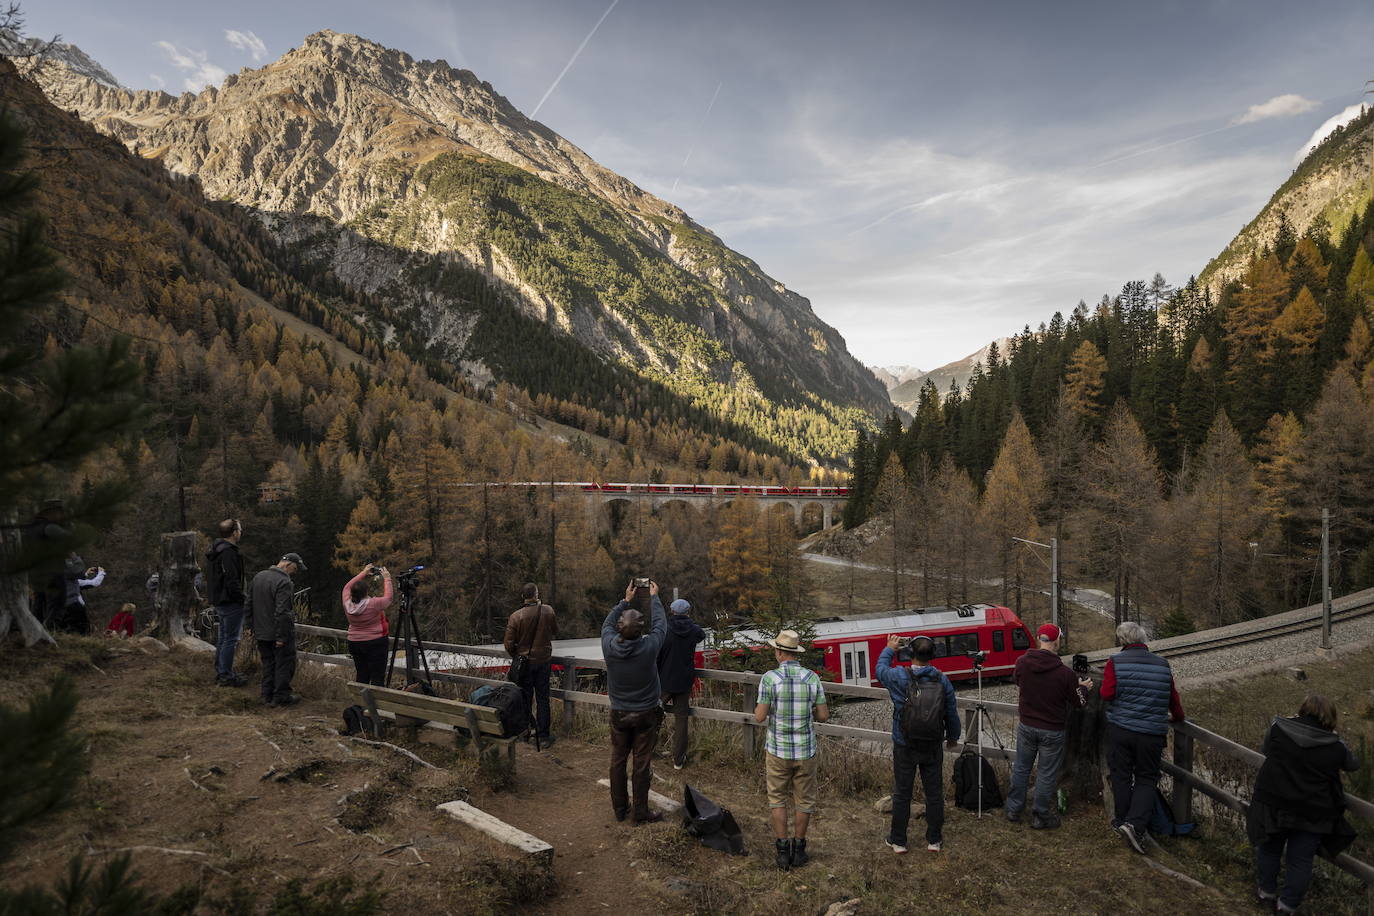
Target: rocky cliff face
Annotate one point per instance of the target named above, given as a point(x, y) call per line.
point(1335, 180)
point(385, 166)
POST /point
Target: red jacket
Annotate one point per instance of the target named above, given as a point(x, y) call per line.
point(121, 621)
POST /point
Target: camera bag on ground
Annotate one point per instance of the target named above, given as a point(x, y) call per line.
point(923, 713)
point(966, 782)
point(1162, 821)
point(509, 703)
point(713, 825)
point(356, 721)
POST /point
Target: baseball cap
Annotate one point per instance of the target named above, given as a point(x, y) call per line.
point(1048, 632)
point(295, 558)
point(680, 606)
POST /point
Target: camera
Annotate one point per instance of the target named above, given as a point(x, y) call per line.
point(979, 658)
point(1081, 666)
point(410, 578)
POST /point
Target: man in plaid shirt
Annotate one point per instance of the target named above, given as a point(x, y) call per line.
point(790, 693)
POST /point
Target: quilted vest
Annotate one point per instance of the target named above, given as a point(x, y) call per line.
point(1143, 683)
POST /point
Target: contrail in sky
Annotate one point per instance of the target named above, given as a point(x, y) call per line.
point(691, 149)
point(572, 60)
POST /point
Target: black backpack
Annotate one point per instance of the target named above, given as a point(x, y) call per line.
point(509, 702)
point(923, 714)
point(356, 721)
point(966, 782)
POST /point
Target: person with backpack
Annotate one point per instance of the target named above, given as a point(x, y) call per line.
point(790, 698)
point(633, 689)
point(1138, 687)
point(529, 636)
point(1298, 803)
point(677, 671)
point(226, 595)
point(924, 712)
point(1047, 687)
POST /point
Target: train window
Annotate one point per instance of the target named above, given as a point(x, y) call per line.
point(848, 666)
point(1019, 639)
point(963, 643)
point(941, 646)
point(999, 640)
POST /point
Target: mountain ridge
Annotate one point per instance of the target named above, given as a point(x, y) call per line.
point(390, 170)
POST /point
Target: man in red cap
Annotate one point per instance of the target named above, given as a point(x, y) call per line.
point(1047, 687)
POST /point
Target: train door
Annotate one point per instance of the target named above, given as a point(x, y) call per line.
point(854, 668)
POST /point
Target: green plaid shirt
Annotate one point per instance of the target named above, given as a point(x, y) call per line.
point(790, 691)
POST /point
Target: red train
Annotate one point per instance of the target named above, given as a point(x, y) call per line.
point(703, 489)
point(852, 644)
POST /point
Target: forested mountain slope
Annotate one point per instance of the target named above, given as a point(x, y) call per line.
point(1181, 445)
point(452, 215)
point(273, 402)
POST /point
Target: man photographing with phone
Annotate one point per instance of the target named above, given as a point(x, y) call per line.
point(633, 687)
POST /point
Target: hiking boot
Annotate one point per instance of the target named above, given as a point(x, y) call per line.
point(1133, 838)
point(289, 700)
point(782, 855)
point(898, 848)
point(799, 856)
point(546, 742)
point(1044, 823)
point(653, 817)
point(231, 680)
point(621, 814)
point(1013, 816)
point(1269, 901)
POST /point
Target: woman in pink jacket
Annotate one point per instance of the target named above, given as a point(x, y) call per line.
point(367, 628)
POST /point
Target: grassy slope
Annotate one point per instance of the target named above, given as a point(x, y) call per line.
point(152, 718)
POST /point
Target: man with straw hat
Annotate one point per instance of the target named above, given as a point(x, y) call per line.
point(790, 697)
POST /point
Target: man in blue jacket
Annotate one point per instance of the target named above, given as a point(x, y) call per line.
point(633, 687)
point(677, 672)
point(1138, 687)
point(908, 756)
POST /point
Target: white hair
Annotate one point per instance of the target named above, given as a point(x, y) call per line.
point(1130, 632)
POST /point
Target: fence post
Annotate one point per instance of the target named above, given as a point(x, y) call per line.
point(1182, 802)
point(569, 705)
point(751, 740)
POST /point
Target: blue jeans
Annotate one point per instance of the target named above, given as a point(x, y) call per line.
point(1302, 847)
point(906, 761)
point(1033, 743)
point(230, 629)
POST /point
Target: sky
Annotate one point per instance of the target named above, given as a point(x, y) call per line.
point(931, 176)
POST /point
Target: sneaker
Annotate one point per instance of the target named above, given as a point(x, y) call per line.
point(1014, 816)
point(1267, 900)
point(799, 856)
point(289, 700)
point(678, 766)
point(1132, 838)
point(1044, 823)
point(653, 817)
point(898, 848)
point(935, 847)
point(546, 742)
point(782, 854)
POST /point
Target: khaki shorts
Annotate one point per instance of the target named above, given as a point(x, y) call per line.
point(796, 778)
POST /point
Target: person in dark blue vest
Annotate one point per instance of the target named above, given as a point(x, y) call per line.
point(1138, 687)
point(677, 672)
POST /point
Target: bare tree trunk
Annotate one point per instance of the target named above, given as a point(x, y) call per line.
point(14, 589)
point(176, 592)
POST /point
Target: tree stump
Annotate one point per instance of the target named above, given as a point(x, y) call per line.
point(14, 587)
point(176, 590)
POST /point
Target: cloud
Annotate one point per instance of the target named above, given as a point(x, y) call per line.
point(1330, 124)
point(247, 41)
point(200, 72)
point(1280, 106)
point(158, 81)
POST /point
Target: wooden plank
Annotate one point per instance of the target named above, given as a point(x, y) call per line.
point(498, 829)
point(569, 704)
point(661, 802)
point(424, 701)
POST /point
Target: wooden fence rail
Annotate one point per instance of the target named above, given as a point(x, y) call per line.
point(1186, 735)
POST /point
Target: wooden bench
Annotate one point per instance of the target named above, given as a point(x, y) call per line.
point(479, 727)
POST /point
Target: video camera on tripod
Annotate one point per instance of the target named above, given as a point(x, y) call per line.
point(406, 636)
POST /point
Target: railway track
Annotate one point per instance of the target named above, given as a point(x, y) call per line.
point(1352, 607)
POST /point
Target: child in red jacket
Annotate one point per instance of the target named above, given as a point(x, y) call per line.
point(121, 625)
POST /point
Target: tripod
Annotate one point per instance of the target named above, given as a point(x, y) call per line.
point(980, 716)
point(407, 636)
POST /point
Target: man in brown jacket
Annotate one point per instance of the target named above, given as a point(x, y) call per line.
point(529, 633)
